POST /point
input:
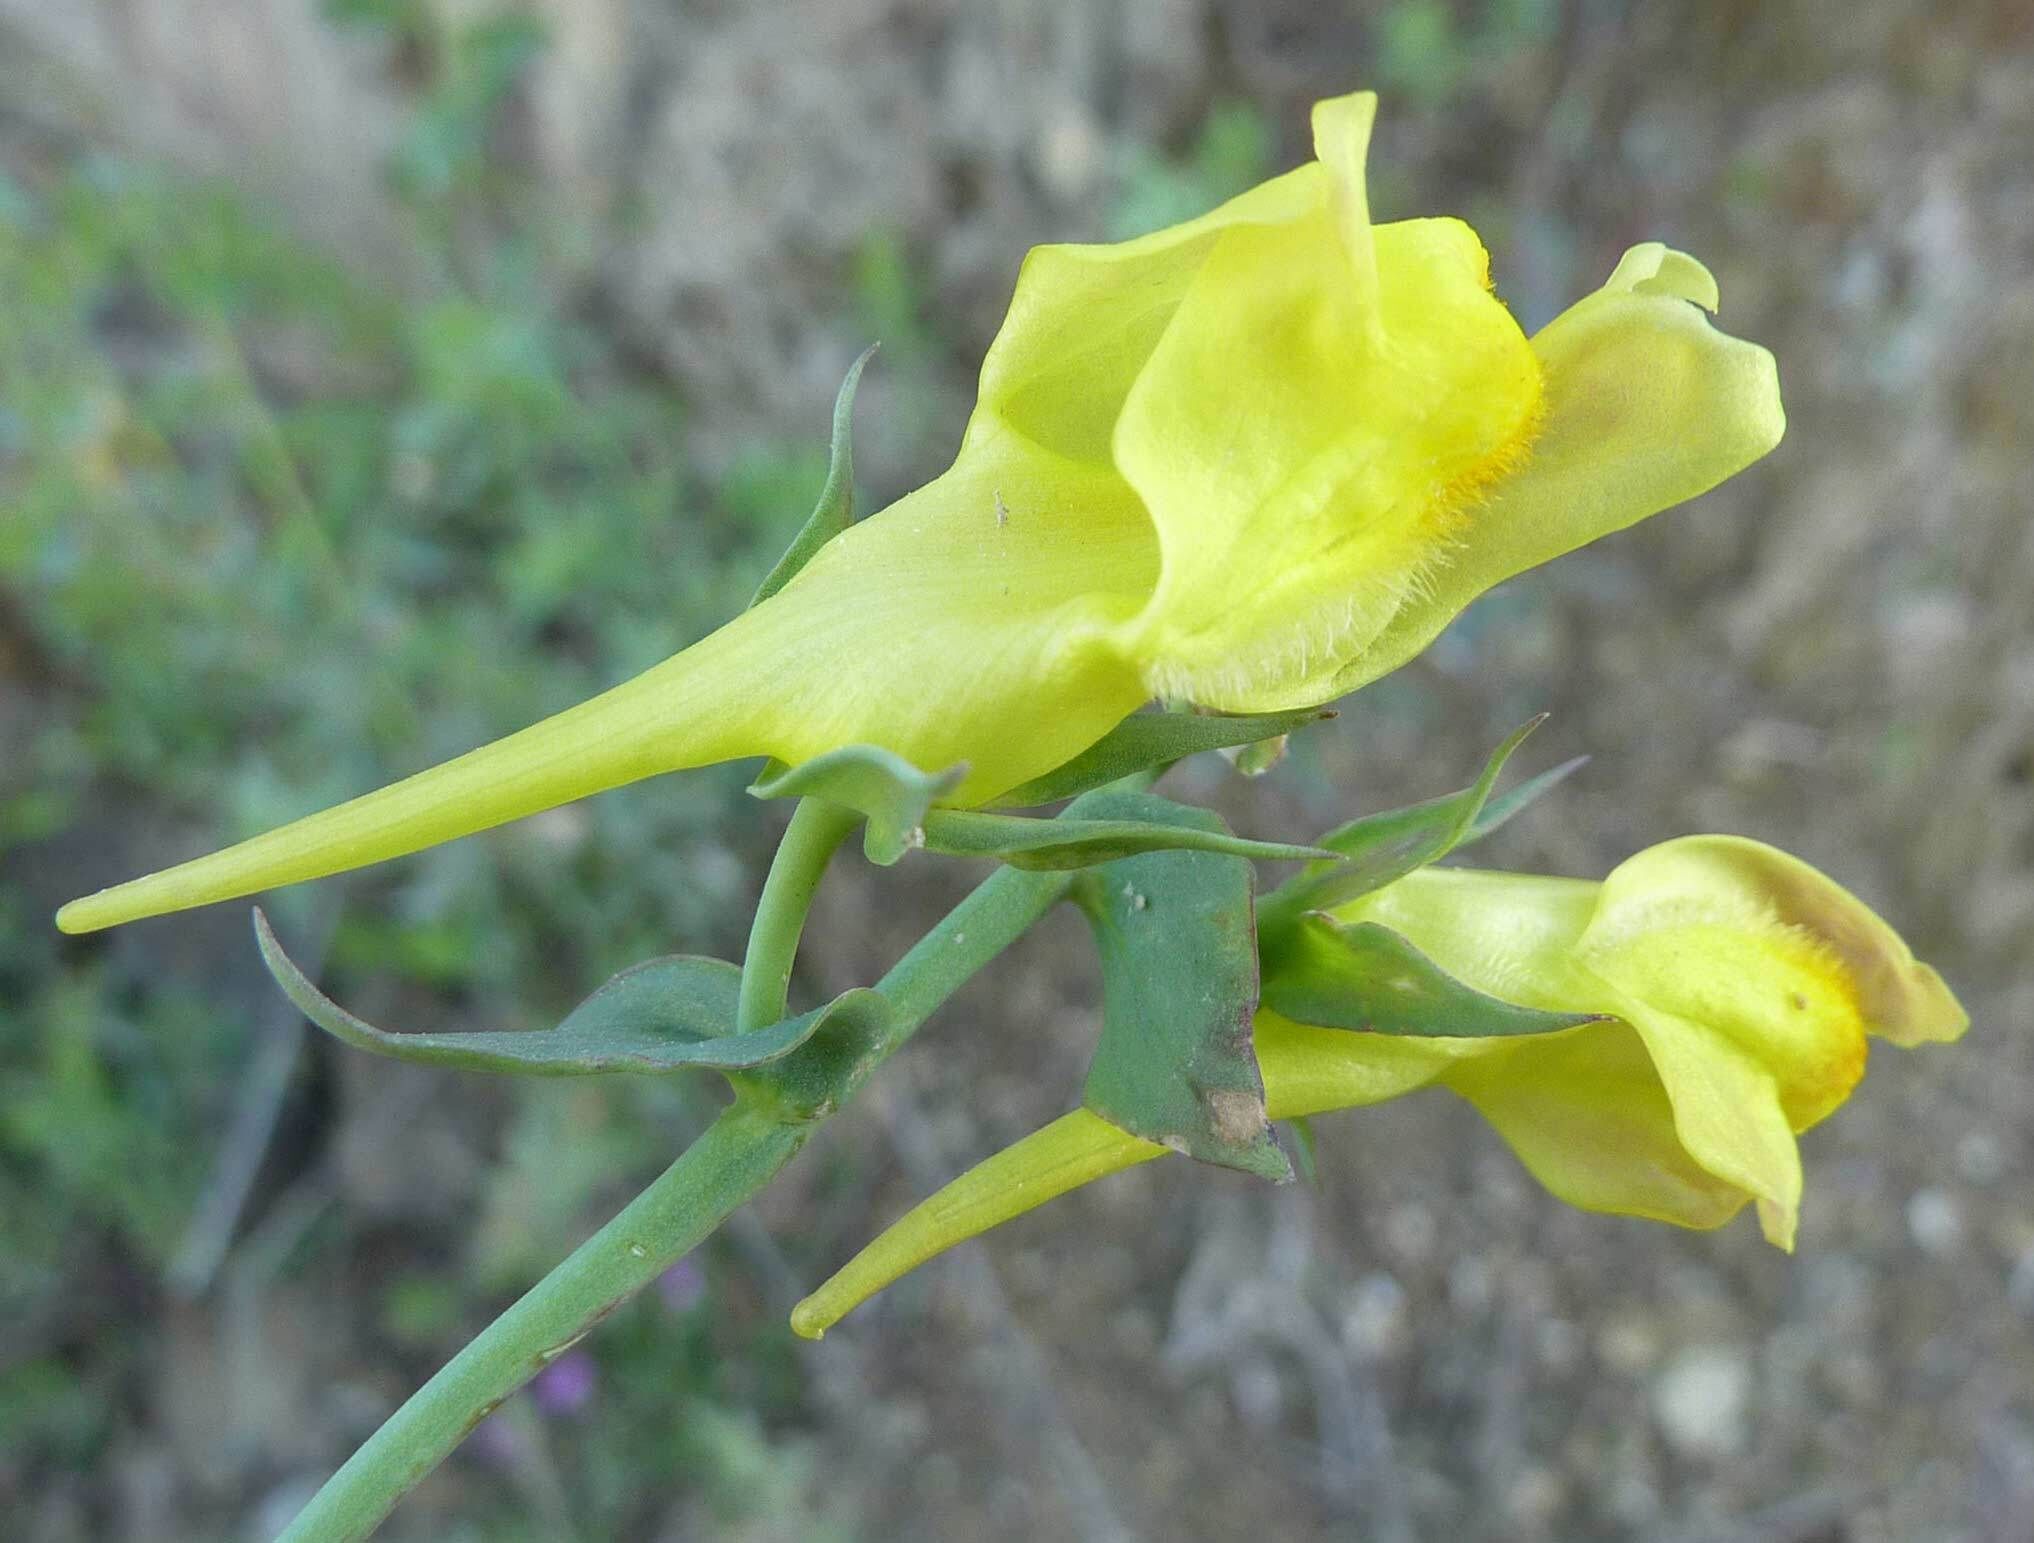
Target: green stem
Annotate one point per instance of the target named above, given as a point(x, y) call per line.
point(998, 912)
point(732, 1159)
point(815, 833)
point(735, 1157)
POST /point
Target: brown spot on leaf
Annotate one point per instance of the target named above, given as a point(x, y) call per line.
point(1237, 1117)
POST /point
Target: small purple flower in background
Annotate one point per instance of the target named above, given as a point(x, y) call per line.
point(683, 1286)
point(567, 1385)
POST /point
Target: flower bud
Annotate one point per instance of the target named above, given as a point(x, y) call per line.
point(1740, 987)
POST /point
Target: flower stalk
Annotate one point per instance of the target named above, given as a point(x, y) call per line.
point(816, 830)
point(731, 1161)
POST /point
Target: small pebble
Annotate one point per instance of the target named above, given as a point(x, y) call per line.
point(1934, 1222)
point(1701, 1401)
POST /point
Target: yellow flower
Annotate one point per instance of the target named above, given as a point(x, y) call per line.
point(1253, 461)
point(1737, 985)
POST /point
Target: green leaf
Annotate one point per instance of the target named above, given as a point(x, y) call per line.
point(1367, 978)
point(835, 511)
point(809, 1083)
point(1179, 994)
point(894, 795)
point(1379, 848)
point(661, 1015)
point(1144, 740)
point(1505, 805)
point(1073, 842)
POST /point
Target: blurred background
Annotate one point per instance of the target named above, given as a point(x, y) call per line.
point(378, 375)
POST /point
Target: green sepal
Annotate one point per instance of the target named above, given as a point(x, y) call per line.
point(1379, 848)
point(661, 1015)
point(1367, 978)
point(835, 511)
point(1176, 1064)
point(894, 795)
point(1145, 740)
point(1505, 805)
point(1075, 842)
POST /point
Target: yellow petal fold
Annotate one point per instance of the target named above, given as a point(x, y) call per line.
point(1586, 1112)
point(1646, 405)
point(1324, 402)
point(1749, 979)
point(1898, 998)
point(1727, 1115)
point(1085, 318)
point(1630, 1136)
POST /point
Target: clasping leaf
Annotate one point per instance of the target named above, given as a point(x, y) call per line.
point(660, 1015)
point(1179, 995)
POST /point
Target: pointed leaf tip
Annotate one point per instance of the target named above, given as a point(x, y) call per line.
point(1074, 842)
point(1379, 848)
point(1505, 805)
point(1175, 1064)
point(835, 510)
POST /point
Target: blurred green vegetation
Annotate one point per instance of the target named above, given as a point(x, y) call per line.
point(276, 531)
point(1232, 151)
point(1427, 49)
